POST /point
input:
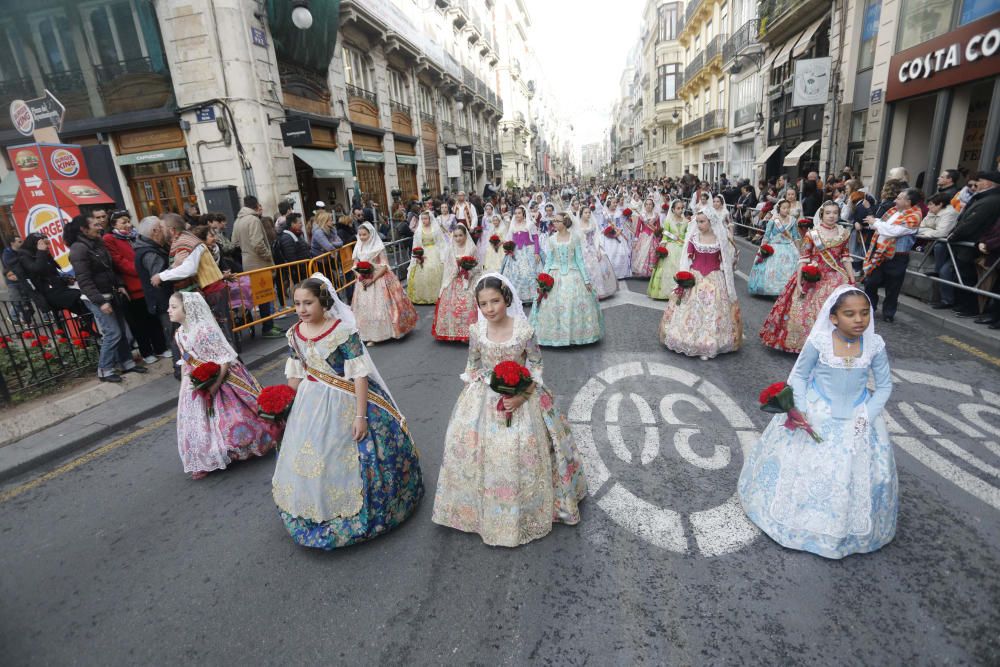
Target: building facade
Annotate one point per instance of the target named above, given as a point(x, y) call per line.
point(663, 65)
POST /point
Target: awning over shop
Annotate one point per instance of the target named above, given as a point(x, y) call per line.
point(325, 164)
point(152, 156)
point(802, 45)
point(82, 191)
point(362, 155)
point(407, 159)
point(782, 56)
point(766, 155)
point(8, 189)
point(796, 154)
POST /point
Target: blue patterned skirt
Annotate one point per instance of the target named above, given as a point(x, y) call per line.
point(522, 270)
point(569, 315)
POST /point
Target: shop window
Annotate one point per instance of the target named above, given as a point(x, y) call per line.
point(973, 10)
point(921, 20)
point(869, 29)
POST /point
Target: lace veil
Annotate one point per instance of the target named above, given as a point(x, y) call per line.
point(205, 339)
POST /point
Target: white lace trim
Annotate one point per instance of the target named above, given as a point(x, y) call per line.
point(710, 247)
point(294, 369)
point(357, 368)
point(824, 344)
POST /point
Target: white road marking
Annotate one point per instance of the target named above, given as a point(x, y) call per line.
point(957, 423)
point(991, 398)
point(723, 529)
point(662, 527)
point(936, 381)
point(672, 373)
point(960, 478)
point(667, 406)
point(593, 465)
point(583, 403)
point(891, 425)
point(968, 457)
point(717, 461)
point(618, 445)
point(620, 372)
point(916, 419)
point(974, 413)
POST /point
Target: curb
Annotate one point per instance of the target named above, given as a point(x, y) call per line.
point(91, 434)
point(927, 316)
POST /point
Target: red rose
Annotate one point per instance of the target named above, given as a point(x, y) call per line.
point(59, 332)
point(495, 241)
point(205, 374)
point(47, 356)
point(627, 213)
point(665, 206)
point(811, 273)
point(770, 391)
point(467, 262)
point(275, 401)
point(509, 247)
point(79, 343)
point(43, 339)
point(364, 268)
point(63, 340)
point(35, 343)
point(27, 335)
point(417, 252)
point(805, 222)
point(766, 250)
point(84, 334)
point(610, 232)
point(661, 251)
point(592, 207)
point(3, 344)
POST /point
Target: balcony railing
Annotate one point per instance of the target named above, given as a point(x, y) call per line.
point(448, 126)
point(481, 88)
point(112, 71)
point(691, 129)
point(714, 47)
point(66, 81)
point(399, 106)
point(354, 91)
point(713, 120)
point(468, 78)
point(742, 39)
point(691, 9)
point(427, 117)
point(694, 66)
point(13, 89)
point(745, 114)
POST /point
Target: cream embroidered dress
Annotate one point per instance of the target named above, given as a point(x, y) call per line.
point(509, 485)
point(332, 491)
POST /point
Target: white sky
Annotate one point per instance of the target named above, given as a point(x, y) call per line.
point(582, 45)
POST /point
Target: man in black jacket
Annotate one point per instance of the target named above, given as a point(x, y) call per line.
point(103, 294)
point(947, 183)
point(978, 216)
point(293, 245)
point(152, 256)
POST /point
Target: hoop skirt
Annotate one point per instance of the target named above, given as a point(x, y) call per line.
point(770, 276)
point(382, 309)
point(833, 498)
point(456, 308)
point(644, 250)
point(599, 266)
point(423, 281)
point(332, 492)
point(570, 314)
point(509, 485)
point(791, 318)
point(521, 268)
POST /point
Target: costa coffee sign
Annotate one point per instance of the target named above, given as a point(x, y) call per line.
point(960, 56)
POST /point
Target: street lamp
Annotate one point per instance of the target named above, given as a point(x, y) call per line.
point(302, 18)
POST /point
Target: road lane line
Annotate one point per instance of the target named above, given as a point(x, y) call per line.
point(10, 494)
point(974, 351)
point(949, 471)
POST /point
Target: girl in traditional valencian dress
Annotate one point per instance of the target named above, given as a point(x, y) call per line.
point(423, 278)
point(674, 226)
point(617, 245)
point(570, 313)
point(769, 275)
point(382, 307)
point(704, 320)
point(490, 256)
point(522, 267)
point(509, 484)
point(217, 425)
point(347, 470)
point(839, 496)
point(456, 306)
point(793, 314)
point(644, 241)
point(602, 274)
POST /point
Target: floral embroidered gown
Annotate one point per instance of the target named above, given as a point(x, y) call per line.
point(383, 309)
point(570, 314)
point(509, 485)
point(661, 283)
point(423, 281)
point(644, 246)
point(791, 318)
point(770, 276)
point(705, 321)
point(599, 267)
point(330, 490)
point(618, 250)
point(840, 496)
point(456, 307)
point(235, 432)
point(522, 267)
point(491, 258)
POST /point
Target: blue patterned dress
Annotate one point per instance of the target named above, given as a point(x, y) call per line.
point(330, 490)
point(522, 267)
point(840, 496)
point(769, 277)
point(570, 314)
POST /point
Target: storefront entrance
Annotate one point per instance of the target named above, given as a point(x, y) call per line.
point(161, 187)
point(371, 177)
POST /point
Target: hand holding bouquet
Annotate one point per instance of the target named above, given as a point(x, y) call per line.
point(509, 379)
point(765, 251)
point(418, 254)
point(545, 284)
point(811, 274)
point(275, 402)
point(778, 398)
point(509, 247)
point(611, 232)
point(202, 378)
point(364, 271)
point(495, 242)
point(661, 252)
point(685, 281)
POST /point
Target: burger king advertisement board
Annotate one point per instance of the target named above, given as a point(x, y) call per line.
point(52, 183)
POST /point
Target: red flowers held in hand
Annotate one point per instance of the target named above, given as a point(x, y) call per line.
point(627, 213)
point(509, 378)
point(509, 247)
point(765, 251)
point(811, 274)
point(805, 222)
point(205, 374)
point(364, 269)
point(495, 241)
point(662, 252)
point(275, 402)
point(545, 284)
point(684, 280)
point(467, 262)
point(418, 254)
point(611, 232)
point(778, 398)
point(665, 206)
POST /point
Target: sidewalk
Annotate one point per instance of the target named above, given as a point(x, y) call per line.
point(106, 410)
point(938, 321)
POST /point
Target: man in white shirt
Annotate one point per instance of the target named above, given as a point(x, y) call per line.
point(465, 212)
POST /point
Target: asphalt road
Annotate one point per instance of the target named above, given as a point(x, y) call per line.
point(124, 560)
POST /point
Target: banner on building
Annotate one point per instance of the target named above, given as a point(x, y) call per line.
point(454, 164)
point(811, 84)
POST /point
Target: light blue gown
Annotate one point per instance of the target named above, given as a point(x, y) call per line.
point(840, 496)
point(570, 314)
point(522, 267)
point(769, 277)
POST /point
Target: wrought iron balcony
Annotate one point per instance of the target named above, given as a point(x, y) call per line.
point(741, 40)
point(354, 91)
point(713, 120)
point(695, 66)
point(714, 47)
point(112, 71)
point(468, 78)
point(399, 106)
point(66, 81)
point(481, 88)
point(13, 89)
point(691, 8)
point(427, 117)
point(691, 129)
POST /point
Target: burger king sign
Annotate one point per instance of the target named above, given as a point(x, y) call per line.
point(49, 220)
point(65, 163)
point(22, 118)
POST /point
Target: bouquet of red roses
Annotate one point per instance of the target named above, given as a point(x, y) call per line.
point(805, 222)
point(545, 284)
point(685, 281)
point(611, 232)
point(418, 254)
point(495, 241)
point(665, 206)
point(627, 213)
point(275, 402)
point(811, 274)
point(202, 377)
point(778, 398)
point(661, 252)
point(477, 233)
point(509, 247)
point(364, 269)
point(466, 263)
point(763, 252)
point(509, 378)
